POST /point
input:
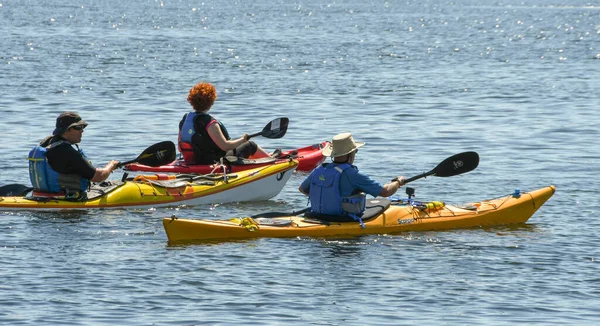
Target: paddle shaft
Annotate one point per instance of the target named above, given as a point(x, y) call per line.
point(254, 135)
point(156, 155)
point(417, 177)
point(121, 164)
point(136, 160)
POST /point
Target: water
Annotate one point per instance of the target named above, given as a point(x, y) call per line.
point(516, 81)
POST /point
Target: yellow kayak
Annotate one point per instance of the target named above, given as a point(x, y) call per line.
point(146, 191)
point(381, 217)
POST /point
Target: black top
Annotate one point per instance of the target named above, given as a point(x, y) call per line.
point(67, 160)
point(206, 151)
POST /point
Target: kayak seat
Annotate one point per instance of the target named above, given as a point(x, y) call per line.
point(54, 195)
point(95, 191)
point(103, 188)
point(373, 208)
point(187, 151)
point(276, 156)
point(279, 214)
point(289, 154)
point(42, 196)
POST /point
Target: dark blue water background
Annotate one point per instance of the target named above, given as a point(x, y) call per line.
point(516, 81)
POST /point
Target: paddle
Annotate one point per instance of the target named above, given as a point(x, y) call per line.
point(453, 165)
point(14, 189)
point(274, 129)
point(156, 155)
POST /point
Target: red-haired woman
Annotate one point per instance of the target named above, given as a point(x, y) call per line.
point(205, 140)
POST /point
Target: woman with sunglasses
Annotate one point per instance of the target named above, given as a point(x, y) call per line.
point(58, 165)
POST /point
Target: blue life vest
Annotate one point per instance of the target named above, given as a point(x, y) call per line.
point(45, 179)
point(188, 130)
point(325, 197)
point(196, 145)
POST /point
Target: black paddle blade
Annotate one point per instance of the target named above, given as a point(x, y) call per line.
point(457, 164)
point(453, 165)
point(14, 190)
point(276, 128)
point(156, 155)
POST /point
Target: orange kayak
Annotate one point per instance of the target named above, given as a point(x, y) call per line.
point(381, 217)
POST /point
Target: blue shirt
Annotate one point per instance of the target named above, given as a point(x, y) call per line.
point(351, 182)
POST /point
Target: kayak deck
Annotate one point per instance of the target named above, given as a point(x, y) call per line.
point(396, 218)
point(308, 157)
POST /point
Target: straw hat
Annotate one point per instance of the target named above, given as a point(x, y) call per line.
point(342, 144)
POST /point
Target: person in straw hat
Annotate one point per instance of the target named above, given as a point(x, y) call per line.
point(58, 165)
point(333, 186)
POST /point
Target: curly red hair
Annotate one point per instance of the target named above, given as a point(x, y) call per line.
point(202, 96)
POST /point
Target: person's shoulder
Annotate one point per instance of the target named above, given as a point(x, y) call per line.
point(46, 141)
point(202, 114)
point(349, 168)
point(205, 118)
point(320, 167)
point(352, 170)
point(54, 142)
point(63, 147)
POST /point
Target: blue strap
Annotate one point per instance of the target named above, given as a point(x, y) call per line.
point(357, 218)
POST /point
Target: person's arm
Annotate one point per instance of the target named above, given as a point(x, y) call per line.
point(102, 174)
point(302, 190)
point(305, 185)
point(66, 159)
point(390, 188)
point(364, 183)
point(215, 133)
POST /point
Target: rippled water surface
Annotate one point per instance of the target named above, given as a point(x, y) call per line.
point(516, 81)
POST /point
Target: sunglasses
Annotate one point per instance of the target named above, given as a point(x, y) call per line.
point(80, 127)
